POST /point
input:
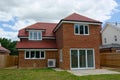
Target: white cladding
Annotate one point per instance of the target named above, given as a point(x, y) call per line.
point(111, 34)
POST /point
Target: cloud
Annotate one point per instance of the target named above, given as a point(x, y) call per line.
point(31, 11)
point(9, 35)
point(19, 24)
point(48, 10)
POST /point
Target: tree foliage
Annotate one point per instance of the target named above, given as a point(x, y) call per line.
point(10, 45)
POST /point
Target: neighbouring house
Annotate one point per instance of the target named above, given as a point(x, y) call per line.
point(110, 38)
point(73, 43)
point(3, 51)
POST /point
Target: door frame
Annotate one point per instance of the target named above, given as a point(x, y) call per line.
point(78, 58)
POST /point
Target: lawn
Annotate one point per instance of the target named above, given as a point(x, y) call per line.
point(49, 74)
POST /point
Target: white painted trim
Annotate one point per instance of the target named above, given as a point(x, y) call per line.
point(42, 37)
point(81, 22)
point(39, 49)
point(34, 30)
point(23, 37)
point(34, 50)
point(36, 35)
point(83, 29)
point(74, 22)
point(86, 58)
point(48, 38)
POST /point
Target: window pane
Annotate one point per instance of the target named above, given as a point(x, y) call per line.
point(90, 58)
point(30, 35)
point(76, 28)
point(42, 54)
point(37, 54)
point(35, 35)
point(86, 29)
point(32, 54)
point(82, 58)
point(39, 35)
point(81, 29)
point(27, 54)
point(74, 58)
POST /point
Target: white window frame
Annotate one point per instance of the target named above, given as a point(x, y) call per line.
point(83, 29)
point(86, 58)
point(35, 54)
point(61, 55)
point(33, 37)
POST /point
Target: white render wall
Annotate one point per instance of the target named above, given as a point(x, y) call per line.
point(109, 33)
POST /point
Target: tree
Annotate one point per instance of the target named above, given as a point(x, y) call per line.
point(10, 45)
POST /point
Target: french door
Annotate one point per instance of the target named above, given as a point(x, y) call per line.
point(82, 58)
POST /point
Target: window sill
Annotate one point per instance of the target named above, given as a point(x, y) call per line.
point(34, 58)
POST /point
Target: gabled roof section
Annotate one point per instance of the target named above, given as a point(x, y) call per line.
point(48, 27)
point(78, 17)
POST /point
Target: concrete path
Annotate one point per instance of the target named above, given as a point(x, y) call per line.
point(92, 72)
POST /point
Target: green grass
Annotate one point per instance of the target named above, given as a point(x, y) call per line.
point(49, 74)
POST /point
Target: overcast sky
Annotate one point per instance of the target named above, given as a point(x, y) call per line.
point(17, 14)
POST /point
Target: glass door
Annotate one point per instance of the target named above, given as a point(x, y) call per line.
point(74, 59)
point(82, 58)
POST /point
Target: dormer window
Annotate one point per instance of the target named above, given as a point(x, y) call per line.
point(80, 29)
point(35, 35)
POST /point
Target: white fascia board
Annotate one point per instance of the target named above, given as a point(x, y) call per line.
point(38, 49)
point(76, 22)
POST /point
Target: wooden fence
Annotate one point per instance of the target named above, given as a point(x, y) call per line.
point(110, 59)
point(7, 61)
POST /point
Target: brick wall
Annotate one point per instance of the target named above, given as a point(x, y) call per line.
point(79, 41)
point(37, 63)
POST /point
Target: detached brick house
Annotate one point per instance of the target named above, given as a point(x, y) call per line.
point(73, 43)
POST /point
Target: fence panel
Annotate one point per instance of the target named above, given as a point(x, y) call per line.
point(110, 59)
point(7, 61)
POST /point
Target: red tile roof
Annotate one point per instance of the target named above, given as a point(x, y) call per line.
point(44, 44)
point(77, 17)
point(2, 49)
point(48, 27)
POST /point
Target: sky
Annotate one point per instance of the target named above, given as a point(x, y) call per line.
point(17, 14)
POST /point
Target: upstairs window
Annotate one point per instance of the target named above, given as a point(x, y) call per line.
point(115, 37)
point(105, 40)
point(35, 35)
point(80, 29)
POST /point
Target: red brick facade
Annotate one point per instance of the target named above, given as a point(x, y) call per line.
point(70, 40)
point(37, 63)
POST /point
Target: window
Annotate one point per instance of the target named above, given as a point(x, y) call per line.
point(115, 37)
point(61, 56)
point(35, 55)
point(105, 40)
point(81, 29)
point(35, 35)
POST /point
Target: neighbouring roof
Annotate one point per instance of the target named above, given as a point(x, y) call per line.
point(110, 46)
point(2, 49)
point(111, 24)
point(44, 44)
point(77, 17)
point(48, 27)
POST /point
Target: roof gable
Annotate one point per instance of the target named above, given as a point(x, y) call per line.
point(48, 27)
point(77, 17)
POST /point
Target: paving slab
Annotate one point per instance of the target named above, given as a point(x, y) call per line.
point(92, 72)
